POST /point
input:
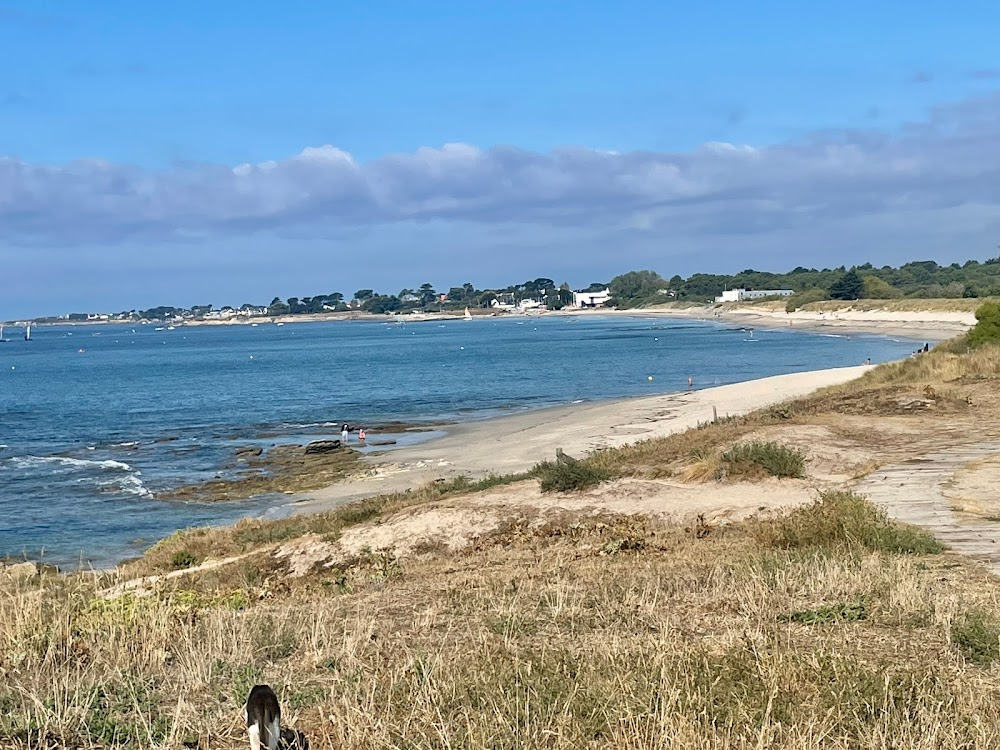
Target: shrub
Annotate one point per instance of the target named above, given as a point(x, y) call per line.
point(566, 477)
point(987, 328)
point(977, 636)
point(183, 559)
point(752, 460)
point(840, 518)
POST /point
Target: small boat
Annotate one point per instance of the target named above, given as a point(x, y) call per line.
point(279, 324)
point(468, 316)
point(2, 339)
point(158, 328)
point(27, 333)
point(171, 328)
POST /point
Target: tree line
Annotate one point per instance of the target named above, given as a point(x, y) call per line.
point(917, 279)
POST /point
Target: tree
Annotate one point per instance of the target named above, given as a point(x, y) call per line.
point(876, 288)
point(635, 286)
point(277, 307)
point(987, 328)
point(848, 286)
point(565, 294)
point(427, 294)
point(362, 294)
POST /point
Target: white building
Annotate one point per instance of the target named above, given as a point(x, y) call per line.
point(743, 295)
point(590, 299)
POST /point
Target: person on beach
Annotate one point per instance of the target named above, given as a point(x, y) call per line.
point(361, 434)
point(690, 382)
point(345, 433)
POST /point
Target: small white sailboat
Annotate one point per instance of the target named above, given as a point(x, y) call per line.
point(2, 339)
point(27, 333)
point(468, 315)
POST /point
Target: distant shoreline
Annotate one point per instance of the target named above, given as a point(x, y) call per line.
point(926, 325)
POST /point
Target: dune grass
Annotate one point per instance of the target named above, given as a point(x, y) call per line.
point(597, 633)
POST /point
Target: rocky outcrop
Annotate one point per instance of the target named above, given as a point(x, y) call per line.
point(249, 451)
point(322, 446)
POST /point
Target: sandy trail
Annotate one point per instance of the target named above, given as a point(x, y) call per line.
point(516, 443)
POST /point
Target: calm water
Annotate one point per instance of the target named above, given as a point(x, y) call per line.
point(89, 438)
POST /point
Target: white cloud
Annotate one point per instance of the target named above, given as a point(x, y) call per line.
point(951, 160)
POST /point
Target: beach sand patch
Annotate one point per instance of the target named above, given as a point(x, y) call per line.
point(831, 456)
point(973, 488)
point(656, 498)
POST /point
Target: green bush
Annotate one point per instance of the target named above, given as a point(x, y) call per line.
point(752, 460)
point(183, 559)
point(977, 636)
point(839, 519)
point(987, 328)
point(567, 477)
point(804, 298)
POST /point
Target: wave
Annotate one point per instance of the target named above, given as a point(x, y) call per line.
point(129, 484)
point(26, 462)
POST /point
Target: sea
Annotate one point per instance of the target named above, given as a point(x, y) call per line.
point(98, 422)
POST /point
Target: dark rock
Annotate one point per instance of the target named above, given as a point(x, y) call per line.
point(322, 446)
point(248, 451)
point(373, 443)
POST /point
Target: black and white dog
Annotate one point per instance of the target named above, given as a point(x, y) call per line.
point(264, 723)
point(263, 718)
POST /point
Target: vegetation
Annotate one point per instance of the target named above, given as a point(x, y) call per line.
point(757, 459)
point(915, 280)
point(569, 477)
point(563, 635)
point(977, 636)
point(844, 519)
point(987, 328)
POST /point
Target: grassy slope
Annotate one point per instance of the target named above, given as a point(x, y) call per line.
point(829, 627)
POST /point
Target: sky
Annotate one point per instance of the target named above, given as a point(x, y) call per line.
point(220, 153)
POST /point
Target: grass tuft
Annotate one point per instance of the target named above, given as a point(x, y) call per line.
point(977, 636)
point(761, 459)
point(840, 519)
point(570, 477)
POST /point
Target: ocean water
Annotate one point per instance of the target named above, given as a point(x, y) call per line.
point(97, 421)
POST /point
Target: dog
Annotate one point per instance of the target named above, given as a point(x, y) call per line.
point(264, 723)
point(263, 718)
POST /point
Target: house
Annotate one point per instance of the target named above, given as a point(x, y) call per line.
point(590, 299)
point(745, 295)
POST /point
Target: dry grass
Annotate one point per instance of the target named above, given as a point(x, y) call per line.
point(619, 634)
point(898, 305)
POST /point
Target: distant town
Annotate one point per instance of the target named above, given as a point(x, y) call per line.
point(918, 279)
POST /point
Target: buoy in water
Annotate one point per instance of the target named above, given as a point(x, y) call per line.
point(649, 377)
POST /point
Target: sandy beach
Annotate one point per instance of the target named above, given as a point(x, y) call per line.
point(921, 325)
point(516, 443)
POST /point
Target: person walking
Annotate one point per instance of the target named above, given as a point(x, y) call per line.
point(345, 433)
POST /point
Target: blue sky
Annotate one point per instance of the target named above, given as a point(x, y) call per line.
point(227, 152)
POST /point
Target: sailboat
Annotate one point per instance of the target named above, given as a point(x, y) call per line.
point(2, 339)
point(27, 333)
point(468, 316)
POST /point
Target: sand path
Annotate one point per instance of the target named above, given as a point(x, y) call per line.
point(914, 492)
point(516, 443)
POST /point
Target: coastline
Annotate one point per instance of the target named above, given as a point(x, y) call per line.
point(918, 325)
point(515, 443)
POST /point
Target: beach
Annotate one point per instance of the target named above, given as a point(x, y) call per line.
point(927, 325)
point(516, 443)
